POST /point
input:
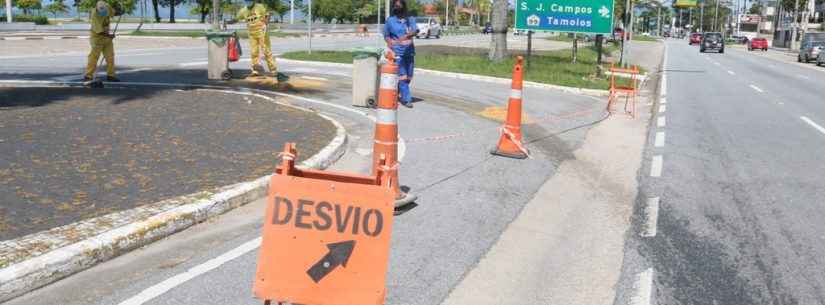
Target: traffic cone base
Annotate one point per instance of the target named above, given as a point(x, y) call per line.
point(514, 155)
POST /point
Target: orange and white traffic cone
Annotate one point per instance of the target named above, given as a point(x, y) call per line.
point(385, 149)
point(510, 144)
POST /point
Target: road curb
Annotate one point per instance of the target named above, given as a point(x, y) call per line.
point(498, 80)
point(139, 226)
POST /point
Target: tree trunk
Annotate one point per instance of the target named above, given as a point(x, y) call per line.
point(575, 47)
point(155, 7)
point(204, 12)
point(172, 12)
point(498, 45)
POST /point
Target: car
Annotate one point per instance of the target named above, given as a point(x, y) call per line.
point(695, 38)
point(429, 27)
point(712, 41)
point(488, 28)
point(820, 60)
point(758, 43)
point(809, 50)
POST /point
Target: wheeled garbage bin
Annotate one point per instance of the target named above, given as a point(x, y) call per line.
point(218, 41)
point(365, 76)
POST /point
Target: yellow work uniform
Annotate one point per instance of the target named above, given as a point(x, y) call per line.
point(101, 43)
point(256, 19)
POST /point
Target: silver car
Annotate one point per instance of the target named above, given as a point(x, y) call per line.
point(810, 46)
point(820, 59)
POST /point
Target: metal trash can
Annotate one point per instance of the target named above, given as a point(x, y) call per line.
point(219, 54)
point(365, 76)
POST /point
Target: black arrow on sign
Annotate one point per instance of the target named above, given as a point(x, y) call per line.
point(338, 254)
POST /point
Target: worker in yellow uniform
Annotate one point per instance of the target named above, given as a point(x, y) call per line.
point(101, 41)
point(256, 15)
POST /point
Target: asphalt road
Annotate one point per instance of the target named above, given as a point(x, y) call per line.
point(466, 197)
point(730, 210)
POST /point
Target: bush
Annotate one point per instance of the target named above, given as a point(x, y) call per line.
point(40, 20)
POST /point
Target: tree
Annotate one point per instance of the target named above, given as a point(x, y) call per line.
point(155, 9)
point(171, 4)
point(28, 5)
point(278, 7)
point(756, 9)
point(498, 45)
point(125, 6)
point(202, 8)
point(57, 7)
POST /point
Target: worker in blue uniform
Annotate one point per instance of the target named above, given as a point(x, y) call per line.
point(399, 32)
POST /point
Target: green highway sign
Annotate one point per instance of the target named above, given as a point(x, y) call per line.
point(577, 16)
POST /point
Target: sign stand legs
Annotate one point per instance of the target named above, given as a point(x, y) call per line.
point(529, 46)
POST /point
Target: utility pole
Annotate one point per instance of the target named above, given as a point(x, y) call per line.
point(216, 15)
point(446, 15)
point(309, 27)
point(716, 18)
point(659, 20)
point(387, 9)
point(795, 28)
point(702, 17)
point(291, 11)
point(378, 30)
point(8, 11)
point(628, 9)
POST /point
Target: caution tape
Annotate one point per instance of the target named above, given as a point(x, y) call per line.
point(515, 140)
point(541, 119)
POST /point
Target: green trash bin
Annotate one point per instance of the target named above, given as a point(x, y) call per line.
point(365, 76)
point(218, 42)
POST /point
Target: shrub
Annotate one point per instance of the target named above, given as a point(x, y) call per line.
point(28, 18)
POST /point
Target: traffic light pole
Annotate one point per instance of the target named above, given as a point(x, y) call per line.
point(8, 11)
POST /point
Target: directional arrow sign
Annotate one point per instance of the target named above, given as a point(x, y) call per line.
point(574, 16)
point(325, 241)
point(338, 254)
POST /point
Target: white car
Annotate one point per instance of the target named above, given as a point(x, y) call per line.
point(428, 27)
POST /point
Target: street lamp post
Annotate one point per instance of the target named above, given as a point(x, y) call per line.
point(447, 15)
point(291, 11)
point(8, 11)
point(309, 27)
point(716, 17)
point(795, 27)
point(701, 17)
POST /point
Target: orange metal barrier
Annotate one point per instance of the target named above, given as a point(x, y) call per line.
point(629, 91)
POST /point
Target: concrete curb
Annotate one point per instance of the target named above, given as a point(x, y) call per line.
point(43, 37)
point(498, 80)
point(46, 37)
point(174, 216)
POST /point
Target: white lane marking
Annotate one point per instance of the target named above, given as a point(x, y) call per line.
point(195, 63)
point(802, 76)
point(781, 103)
point(172, 282)
point(664, 101)
point(100, 74)
point(662, 108)
point(661, 122)
point(652, 213)
point(660, 139)
point(663, 90)
point(314, 78)
point(731, 72)
point(756, 88)
point(656, 166)
point(643, 288)
point(140, 54)
point(717, 63)
point(813, 124)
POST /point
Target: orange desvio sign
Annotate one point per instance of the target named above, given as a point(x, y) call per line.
point(326, 239)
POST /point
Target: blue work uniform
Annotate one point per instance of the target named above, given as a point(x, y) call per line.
point(404, 49)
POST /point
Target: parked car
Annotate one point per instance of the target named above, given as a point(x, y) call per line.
point(428, 27)
point(809, 50)
point(488, 28)
point(820, 60)
point(695, 38)
point(758, 43)
point(712, 41)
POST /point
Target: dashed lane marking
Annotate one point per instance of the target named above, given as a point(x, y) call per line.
point(643, 288)
point(662, 108)
point(651, 217)
point(660, 139)
point(813, 124)
point(656, 166)
point(172, 282)
point(661, 122)
point(731, 72)
point(757, 88)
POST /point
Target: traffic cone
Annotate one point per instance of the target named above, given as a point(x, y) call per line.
point(385, 149)
point(510, 144)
